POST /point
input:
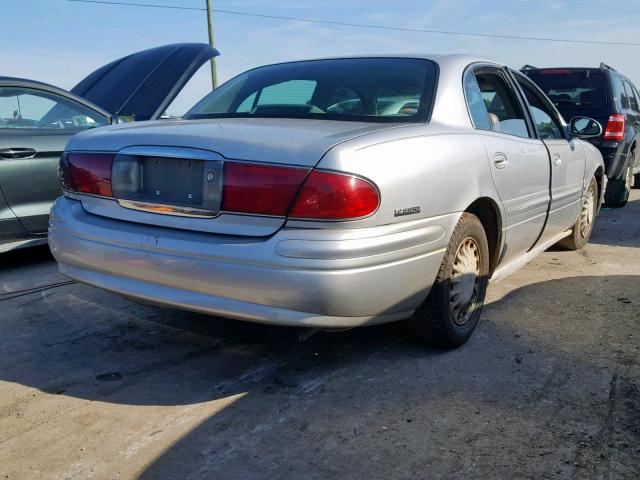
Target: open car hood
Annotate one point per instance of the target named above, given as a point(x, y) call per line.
point(143, 84)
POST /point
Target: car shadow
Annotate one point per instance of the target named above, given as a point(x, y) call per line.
point(25, 256)
point(539, 371)
point(619, 226)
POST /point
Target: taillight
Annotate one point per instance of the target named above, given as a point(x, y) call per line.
point(335, 196)
point(615, 128)
point(87, 173)
point(246, 188)
point(262, 189)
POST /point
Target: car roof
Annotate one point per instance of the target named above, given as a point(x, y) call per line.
point(449, 58)
point(28, 83)
point(34, 83)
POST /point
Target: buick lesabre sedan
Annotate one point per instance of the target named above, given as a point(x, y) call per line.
point(332, 193)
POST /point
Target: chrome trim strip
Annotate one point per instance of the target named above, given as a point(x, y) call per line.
point(163, 209)
point(162, 151)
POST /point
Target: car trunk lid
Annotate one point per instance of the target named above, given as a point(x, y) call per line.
point(171, 173)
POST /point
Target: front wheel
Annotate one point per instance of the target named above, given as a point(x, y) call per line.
point(581, 231)
point(449, 315)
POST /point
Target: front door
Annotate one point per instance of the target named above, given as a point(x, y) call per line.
point(567, 161)
point(35, 126)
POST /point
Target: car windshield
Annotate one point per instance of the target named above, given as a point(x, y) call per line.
point(572, 88)
point(362, 89)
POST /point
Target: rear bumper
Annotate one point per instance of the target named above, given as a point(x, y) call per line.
point(316, 278)
point(614, 155)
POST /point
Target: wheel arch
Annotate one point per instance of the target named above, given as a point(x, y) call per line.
point(488, 211)
point(600, 181)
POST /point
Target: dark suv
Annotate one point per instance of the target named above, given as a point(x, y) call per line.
point(612, 99)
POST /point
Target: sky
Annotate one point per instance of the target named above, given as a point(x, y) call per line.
point(60, 42)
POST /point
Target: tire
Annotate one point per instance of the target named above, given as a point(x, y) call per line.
point(636, 180)
point(618, 190)
point(439, 323)
point(582, 229)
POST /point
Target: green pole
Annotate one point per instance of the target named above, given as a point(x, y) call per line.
point(214, 73)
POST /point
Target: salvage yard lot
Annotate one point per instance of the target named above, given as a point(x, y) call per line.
point(95, 386)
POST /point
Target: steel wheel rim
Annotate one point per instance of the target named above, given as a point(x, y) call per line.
point(588, 212)
point(628, 181)
point(464, 285)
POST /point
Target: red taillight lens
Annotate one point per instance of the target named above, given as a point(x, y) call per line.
point(87, 173)
point(335, 196)
point(262, 189)
point(615, 128)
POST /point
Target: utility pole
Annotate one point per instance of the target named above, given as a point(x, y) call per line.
point(214, 73)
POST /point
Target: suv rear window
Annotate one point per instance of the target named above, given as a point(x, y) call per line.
point(359, 89)
point(572, 88)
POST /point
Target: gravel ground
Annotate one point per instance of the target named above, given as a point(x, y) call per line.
point(95, 386)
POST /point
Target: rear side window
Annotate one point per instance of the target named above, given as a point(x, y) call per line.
point(633, 101)
point(493, 104)
point(572, 88)
point(620, 96)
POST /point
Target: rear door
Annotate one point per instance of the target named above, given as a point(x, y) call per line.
point(35, 126)
point(567, 160)
point(519, 162)
point(141, 86)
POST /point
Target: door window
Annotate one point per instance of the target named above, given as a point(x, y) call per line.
point(493, 104)
point(635, 94)
point(633, 101)
point(34, 109)
point(544, 115)
point(620, 95)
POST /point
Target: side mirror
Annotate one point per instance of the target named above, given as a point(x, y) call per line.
point(584, 127)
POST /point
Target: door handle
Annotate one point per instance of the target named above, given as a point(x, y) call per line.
point(557, 161)
point(8, 153)
point(500, 160)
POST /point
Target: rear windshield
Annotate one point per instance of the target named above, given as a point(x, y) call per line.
point(362, 89)
point(572, 88)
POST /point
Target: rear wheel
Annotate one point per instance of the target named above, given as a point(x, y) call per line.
point(617, 193)
point(581, 231)
point(449, 315)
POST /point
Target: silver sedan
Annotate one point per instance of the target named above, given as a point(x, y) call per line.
point(332, 193)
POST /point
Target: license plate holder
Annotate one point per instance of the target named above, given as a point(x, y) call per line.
point(168, 185)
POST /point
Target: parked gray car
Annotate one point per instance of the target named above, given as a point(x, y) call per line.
point(332, 193)
point(37, 120)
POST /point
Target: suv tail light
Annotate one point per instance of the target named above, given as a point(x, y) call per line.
point(615, 128)
point(86, 173)
point(335, 196)
point(250, 188)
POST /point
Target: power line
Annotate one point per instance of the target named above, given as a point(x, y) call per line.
point(151, 5)
point(602, 7)
point(367, 25)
